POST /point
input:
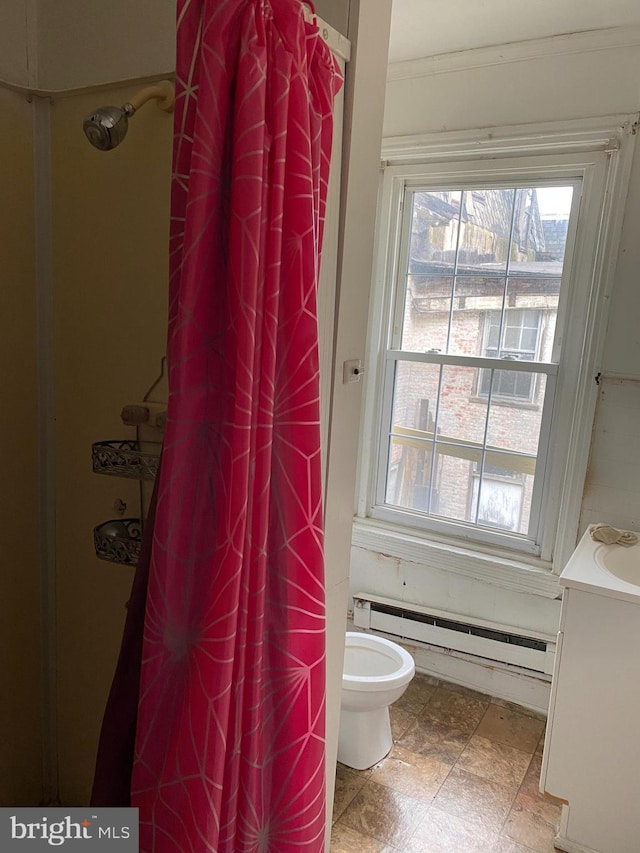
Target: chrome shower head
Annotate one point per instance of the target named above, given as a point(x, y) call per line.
point(107, 126)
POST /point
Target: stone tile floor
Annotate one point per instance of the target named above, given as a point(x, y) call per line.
point(462, 777)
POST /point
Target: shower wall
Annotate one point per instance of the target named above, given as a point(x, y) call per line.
point(20, 662)
point(110, 261)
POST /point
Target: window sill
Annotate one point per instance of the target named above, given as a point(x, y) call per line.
point(534, 577)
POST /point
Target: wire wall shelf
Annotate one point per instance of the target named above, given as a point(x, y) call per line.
point(118, 540)
point(125, 459)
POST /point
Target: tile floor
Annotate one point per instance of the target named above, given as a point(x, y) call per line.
point(462, 777)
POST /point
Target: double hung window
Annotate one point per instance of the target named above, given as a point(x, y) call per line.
point(486, 301)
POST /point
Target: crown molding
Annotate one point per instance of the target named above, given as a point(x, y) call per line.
point(603, 133)
point(612, 38)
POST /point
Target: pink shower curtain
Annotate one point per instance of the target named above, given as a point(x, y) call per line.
point(229, 748)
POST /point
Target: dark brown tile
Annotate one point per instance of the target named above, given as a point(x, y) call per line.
point(504, 725)
point(411, 773)
point(506, 845)
point(468, 796)
point(363, 773)
point(435, 740)
point(530, 830)
point(384, 814)
point(348, 783)
point(441, 832)
point(530, 799)
point(503, 764)
point(519, 709)
point(400, 721)
point(345, 840)
point(419, 691)
point(456, 710)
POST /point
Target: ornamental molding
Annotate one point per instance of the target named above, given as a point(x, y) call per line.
point(612, 38)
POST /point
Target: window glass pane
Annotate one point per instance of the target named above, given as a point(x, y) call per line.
point(415, 396)
point(485, 231)
point(504, 503)
point(453, 476)
point(426, 313)
point(409, 473)
point(462, 415)
point(515, 427)
point(526, 335)
point(412, 427)
point(435, 221)
point(474, 299)
point(540, 228)
point(532, 305)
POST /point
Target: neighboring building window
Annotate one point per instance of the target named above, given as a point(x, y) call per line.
point(471, 361)
point(519, 338)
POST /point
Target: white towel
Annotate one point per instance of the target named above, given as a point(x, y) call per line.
point(611, 535)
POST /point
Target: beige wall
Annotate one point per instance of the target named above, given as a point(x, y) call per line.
point(110, 256)
point(17, 42)
point(335, 13)
point(66, 44)
point(20, 723)
point(86, 42)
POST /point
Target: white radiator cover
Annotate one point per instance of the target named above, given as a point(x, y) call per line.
point(450, 631)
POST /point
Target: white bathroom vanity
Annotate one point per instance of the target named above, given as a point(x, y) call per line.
point(592, 747)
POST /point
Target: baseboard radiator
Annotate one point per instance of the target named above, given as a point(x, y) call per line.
point(412, 622)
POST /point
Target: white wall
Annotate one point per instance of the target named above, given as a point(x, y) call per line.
point(364, 99)
point(87, 42)
point(491, 92)
point(335, 13)
point(554, 79)
point(612, 489)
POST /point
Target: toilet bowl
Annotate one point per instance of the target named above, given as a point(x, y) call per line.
point(376, 674)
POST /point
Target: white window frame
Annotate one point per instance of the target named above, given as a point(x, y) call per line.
point(598, 154)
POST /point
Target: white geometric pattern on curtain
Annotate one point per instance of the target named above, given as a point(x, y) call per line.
point(230, 732)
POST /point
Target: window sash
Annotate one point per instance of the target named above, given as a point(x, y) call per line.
point(394, 354)
point(465, 449)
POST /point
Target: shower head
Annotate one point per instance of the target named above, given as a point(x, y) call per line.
point(106, 127)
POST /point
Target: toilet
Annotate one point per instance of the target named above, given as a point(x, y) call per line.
point(376, 674)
